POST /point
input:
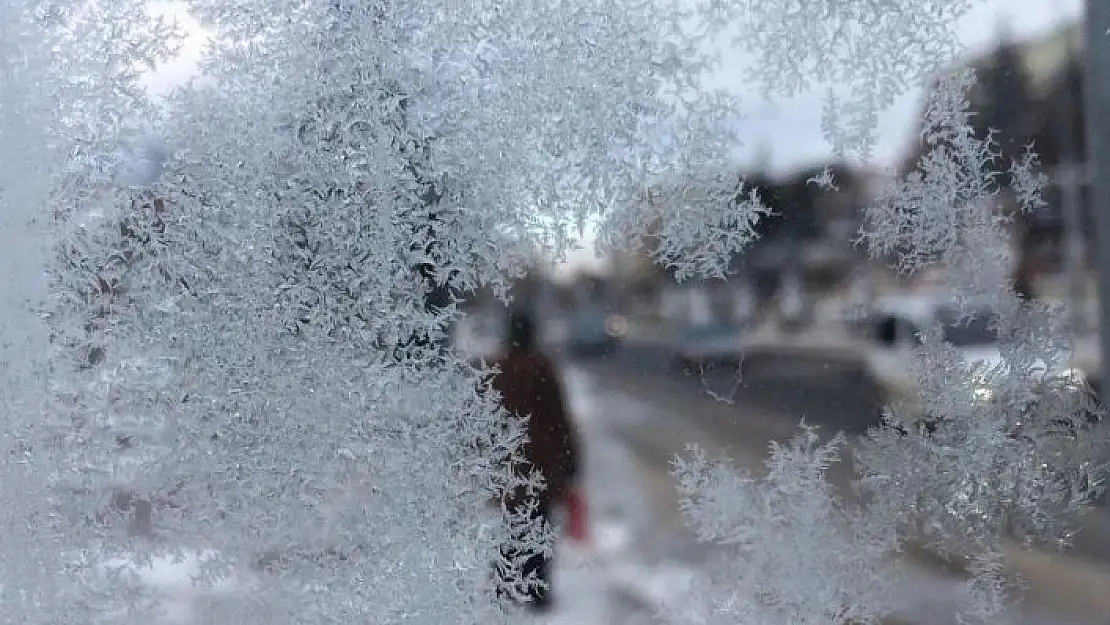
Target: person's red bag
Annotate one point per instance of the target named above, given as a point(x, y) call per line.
point(577, 519)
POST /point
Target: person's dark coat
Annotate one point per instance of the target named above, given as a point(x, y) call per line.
point(529, 385)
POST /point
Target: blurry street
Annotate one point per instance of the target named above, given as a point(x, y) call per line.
point(643, 390)
point(742, 411)
point(636, 417)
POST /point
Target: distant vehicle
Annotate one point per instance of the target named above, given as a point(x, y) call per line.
point(896, 324)
point(710, 344)
point(595, 333)
point(897, 327)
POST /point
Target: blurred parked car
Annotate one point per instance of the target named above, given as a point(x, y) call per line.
point(896, 323)
point(594, 332)
point(1062, 398)
point(710, 344)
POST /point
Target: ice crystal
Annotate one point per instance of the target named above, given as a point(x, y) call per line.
point(248, 329)
point(988, 450)
point(828, 563)
point(872, 52)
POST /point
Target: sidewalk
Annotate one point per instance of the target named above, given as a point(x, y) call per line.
point(926, 599)
point(596, 589)
point(607, 581)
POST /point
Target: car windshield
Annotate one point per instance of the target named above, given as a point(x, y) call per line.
point(977, 328)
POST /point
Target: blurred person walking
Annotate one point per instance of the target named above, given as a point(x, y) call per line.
point(531, 388)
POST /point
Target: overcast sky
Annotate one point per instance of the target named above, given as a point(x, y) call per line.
point(787, 132)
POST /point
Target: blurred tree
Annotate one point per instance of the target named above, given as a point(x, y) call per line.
point(1004, 107)
point(1003, 102)
point(1007, 109)
point(1059, 135)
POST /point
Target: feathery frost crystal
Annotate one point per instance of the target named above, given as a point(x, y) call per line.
point(246, 343)
point(786, 549)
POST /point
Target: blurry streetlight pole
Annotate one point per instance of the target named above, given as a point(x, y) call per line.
point(1097, 99)
point(1070, 179)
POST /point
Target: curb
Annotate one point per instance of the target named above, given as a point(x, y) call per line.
point(1065, 608)
point(1058, 582)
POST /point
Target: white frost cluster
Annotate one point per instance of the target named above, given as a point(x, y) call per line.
point(244, 342)
point(66, 93)
point(868, 52)
point(947, 211)
point(25, 130)
point(680, 224)
point(1014, 450)
point(785, 548)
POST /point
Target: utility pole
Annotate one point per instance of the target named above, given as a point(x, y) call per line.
point(1070, 178)
point(1096, 89)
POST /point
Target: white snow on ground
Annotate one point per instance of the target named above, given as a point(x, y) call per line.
point(172, 579)
point(592, 587)
point(601, 582)
point(620, 510)
point(609, 575)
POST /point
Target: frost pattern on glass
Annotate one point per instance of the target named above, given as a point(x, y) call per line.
point(827, 563)
point(27, 585)
point(679, 224)
point(945, 213)
point(67, 96)
point(1014, 450)
point(251, 338)
point(247, 347)
point(872, 52)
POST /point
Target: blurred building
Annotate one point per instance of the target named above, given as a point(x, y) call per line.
point(807, 242)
